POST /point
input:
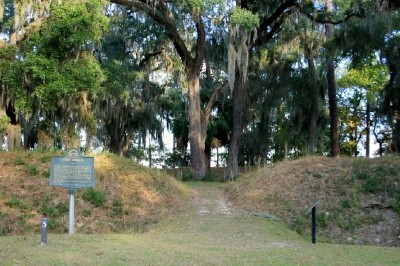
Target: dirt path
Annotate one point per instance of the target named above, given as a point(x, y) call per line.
point(213, 221)
point(211, 199)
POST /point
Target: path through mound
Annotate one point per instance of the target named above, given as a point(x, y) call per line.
point(212, 220)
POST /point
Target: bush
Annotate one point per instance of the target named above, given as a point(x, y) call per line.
point(117, 207)
point(94, 196)
point(16, 203)
point(32, 170)
point(51, 210)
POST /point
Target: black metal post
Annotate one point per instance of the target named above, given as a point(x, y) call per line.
point(313, 226)
point(44, 226)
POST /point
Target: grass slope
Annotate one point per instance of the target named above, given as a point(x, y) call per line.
point(127, 197)
point(210, 232)
point(360, 198)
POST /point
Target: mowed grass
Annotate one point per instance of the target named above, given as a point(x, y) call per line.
point(209, 232)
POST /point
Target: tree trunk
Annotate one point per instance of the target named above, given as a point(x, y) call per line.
point(313, 115)
point(89, 144)
point(207, 156)
point(30, 136)
point(125, 147)
point(197, 127)
point(115, 135)
point(333, 113)
point(368, 129)
point(232, 169)
point(159, 11)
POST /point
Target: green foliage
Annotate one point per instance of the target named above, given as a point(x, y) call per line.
point(32, 170)
point(245, 18)
point(322, 219)
point(72, 25)
point(16, 203)
point(209, 178)
point(117, 207)
point(50, 209)
point(300, 222)
point(45, 159)
point(87, 213)
point(4, 121)
point(347, 223)
point(55, 70)
point(200, 6)
point(19, 161)
point(95, 196)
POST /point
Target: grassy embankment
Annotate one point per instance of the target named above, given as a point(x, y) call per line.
point(127, 197)
point(360, 198)
point(206, 230)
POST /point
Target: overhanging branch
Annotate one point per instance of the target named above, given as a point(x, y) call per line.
point(213, 99)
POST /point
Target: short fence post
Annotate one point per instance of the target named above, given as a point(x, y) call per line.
point(313, 221)
point(44, 227)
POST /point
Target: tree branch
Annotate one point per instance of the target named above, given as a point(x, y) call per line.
point(161, 15)
point(213, 99)
point(21, 34)
point(330, 21)
point(148, 56)
point(275, 21)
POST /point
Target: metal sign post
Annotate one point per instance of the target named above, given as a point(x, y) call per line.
point(71, 172)
point(71, 211)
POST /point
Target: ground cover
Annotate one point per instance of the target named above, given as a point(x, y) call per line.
point(211, 231)
point(127, 197)
point(359, 197)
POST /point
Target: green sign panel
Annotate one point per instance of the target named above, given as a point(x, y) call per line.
point(72, 171)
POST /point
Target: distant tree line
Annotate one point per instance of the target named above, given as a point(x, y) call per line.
point(267, 80)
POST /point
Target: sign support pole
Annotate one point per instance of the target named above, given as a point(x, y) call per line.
point(313, 225)
point(312, 209)
point(71, 211)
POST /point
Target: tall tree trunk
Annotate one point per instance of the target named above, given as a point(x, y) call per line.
point(149, 152)
point(368, 129)
point(313, 115)
point(28, 126)
point(89, 144)
point(115, 135)
point(232, 169)
point(207, 156)
point(193, 61)
point(333, 113)
point(197, 127)
point(125, 146)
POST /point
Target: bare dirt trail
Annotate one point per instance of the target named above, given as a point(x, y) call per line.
point(211, 199)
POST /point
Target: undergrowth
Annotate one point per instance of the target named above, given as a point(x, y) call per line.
point(359, 197)
point(127, 197)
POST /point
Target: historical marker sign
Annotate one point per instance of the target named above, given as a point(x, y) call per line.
point(72, 171)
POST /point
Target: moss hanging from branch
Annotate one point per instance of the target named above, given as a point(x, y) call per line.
point(243, 31)
point(1, 10)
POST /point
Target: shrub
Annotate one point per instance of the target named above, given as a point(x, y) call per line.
point(94, 196)
point(32, 170)
point(51, 210)
point(16, 203)
point(87, 212)
point(117, 208)
point(19, 161)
